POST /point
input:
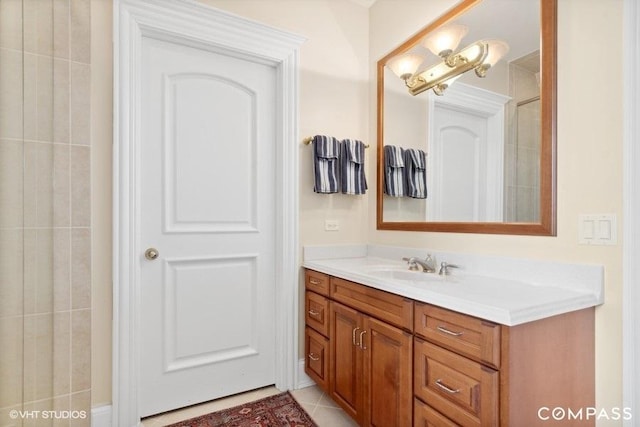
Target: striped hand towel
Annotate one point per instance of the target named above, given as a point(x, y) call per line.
point(394, 171)
point(416, 164)
point(326, 150)
point(352, 178)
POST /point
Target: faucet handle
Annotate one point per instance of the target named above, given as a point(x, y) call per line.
point(444, 268)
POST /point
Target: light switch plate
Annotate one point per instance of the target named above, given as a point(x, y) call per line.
point(598, 229)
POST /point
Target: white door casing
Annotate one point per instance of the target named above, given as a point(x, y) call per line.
point(466, 120)
point(195, 26)
point(207, 197)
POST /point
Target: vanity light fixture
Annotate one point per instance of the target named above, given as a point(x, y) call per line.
point(445, 40)
point(478, 56)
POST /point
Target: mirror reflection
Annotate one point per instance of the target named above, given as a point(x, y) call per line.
point(462, 116)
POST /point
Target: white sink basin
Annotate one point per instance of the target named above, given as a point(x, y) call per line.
point(404, 274)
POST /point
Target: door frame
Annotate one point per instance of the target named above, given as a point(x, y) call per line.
point(631, 211)
point(193, 24)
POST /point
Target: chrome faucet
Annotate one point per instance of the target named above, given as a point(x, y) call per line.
point(428, 264)
point(444, 268)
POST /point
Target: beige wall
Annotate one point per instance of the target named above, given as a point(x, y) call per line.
point(337, 89)
point(334, 95)
point(589, 162)
point(101, 139)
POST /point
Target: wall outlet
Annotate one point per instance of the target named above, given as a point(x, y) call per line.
point(598, 229)
point(331, 225)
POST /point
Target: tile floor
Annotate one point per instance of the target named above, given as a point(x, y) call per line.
point(317, 404)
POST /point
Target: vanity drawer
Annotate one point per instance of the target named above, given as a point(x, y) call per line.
point(317, 312)
point(467, 335)
point(316, 282)
point(385, 306)
point(459, 388)
point(316, 364)
point(425, 416)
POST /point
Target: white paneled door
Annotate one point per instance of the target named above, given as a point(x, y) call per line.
point(207, 208)
point(465, 164)
point(459, 163)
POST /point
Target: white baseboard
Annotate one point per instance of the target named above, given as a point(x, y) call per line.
point(304, 380)
point(101, 416)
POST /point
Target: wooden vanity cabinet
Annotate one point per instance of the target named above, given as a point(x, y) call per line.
point(316, 336)
point(391, 361)
point(371, 368)
point(455, 366)
point(359, 349)
point(471, 372)
point(548, 363)
point(371, 354)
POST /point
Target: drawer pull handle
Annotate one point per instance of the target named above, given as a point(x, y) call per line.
point(360, 344)
point(313, 313)
point(314, 281)
point(445, 388)
point(448, 332)
point(314, 358)
point(353, 336)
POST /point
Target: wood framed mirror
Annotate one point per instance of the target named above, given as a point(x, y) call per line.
point(489, 143)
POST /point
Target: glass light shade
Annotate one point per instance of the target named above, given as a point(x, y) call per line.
point(497, 49)
point(472, 52)
point(446, 39)
point(405, 66)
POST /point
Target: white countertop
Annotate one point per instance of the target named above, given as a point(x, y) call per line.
point(499, 298)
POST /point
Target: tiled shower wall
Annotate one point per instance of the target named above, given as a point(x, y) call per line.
point(522, 147)
point(45, 218)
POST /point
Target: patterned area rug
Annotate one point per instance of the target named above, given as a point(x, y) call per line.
point(280, 410)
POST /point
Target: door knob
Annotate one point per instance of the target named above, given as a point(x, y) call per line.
point(151, 254)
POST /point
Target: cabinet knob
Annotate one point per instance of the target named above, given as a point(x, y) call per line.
point(313, 313)
point(313, 357)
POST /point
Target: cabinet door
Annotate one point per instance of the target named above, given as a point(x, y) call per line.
point(317, 358)
point(388, 371)
point(346, 359)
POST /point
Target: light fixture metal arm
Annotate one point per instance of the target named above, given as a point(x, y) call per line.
point(453, 65)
